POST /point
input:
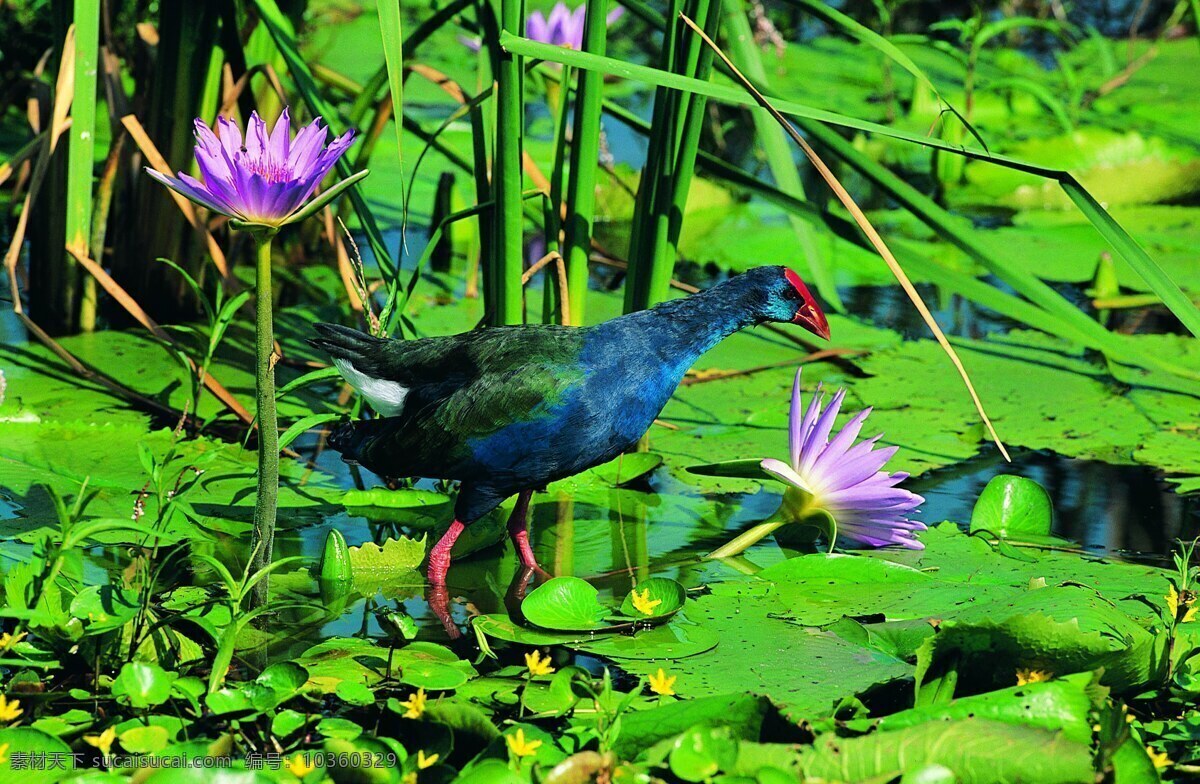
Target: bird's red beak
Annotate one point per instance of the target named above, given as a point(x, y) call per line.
point(809, 315)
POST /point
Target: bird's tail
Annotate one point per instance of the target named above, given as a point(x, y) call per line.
point(357, 348)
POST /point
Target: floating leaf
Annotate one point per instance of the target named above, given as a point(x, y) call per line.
point(145, 740)
point(1013, 506)
point(431, 666)
point(503, 628)
point(975, 749)
point(662, 596)
point(628, 467)
point(700, 753)
point(103, 608)
point(143, 684)
point(675, 640)
point(25, 742)
point(344, 658)
point(565, 604)
point(390, 568)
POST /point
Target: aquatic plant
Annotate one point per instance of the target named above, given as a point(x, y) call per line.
point(835, 483)
point(562, 27)
point(263, 182)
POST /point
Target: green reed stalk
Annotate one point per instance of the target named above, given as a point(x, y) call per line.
point(81, 152)
point(585, 153)
point(777, 147)
point(552, 218)
point(662, 194)
point(815, 123)
point(262, 543)
point(280, 28)
point(700, 60)
point(506, 261)
point(391, 29)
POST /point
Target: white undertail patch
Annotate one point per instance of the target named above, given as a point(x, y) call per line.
point(386, 397)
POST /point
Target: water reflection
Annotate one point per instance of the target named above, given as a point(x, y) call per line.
point(618, 540)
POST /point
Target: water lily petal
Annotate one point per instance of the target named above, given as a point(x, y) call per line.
point(231, 137)
point(536, 28)
point(795, 429)
point(220, 186)
point(209, 149)
point(784, 473)
point(256, 137)
point(810, 415)
point(818, 437)
point(194, 191)
point(836, 451)
point(306, 147)
point(281, 138)
point(860, 462)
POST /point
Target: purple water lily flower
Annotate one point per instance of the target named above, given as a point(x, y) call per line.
point(263, 179)
point(563, 27)
point(844, 478)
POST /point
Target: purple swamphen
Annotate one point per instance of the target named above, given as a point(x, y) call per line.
point(507, 410)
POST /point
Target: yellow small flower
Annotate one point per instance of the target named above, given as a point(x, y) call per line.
point(9, 710)
point(1188, 601)
point(299, 765)
point(103, 741)
point(661, 684)
point(1159, 758)
point(1032, 676)
point(8, 640)
point(537, 665)
point(642, 603)
point(3, 753)
point(424, 762)
point(409, 778)
point(415, 705)
point(521, 747)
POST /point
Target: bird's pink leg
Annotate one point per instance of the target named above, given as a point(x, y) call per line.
point(518, 530)
point(439, 556)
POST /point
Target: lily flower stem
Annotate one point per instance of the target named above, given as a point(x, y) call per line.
point(747, 539)
point(268, 424)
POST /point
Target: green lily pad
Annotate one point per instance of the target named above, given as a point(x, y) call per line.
point(565, 604)
point(678, 639)
point(103, 608)
point(628, 467)
point(143, 684)
point(504, 628)
point(431, 666)
point(1012, 507)
point(664, 594)
point(20, 741)
point(975, 749)
point(343, 658)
